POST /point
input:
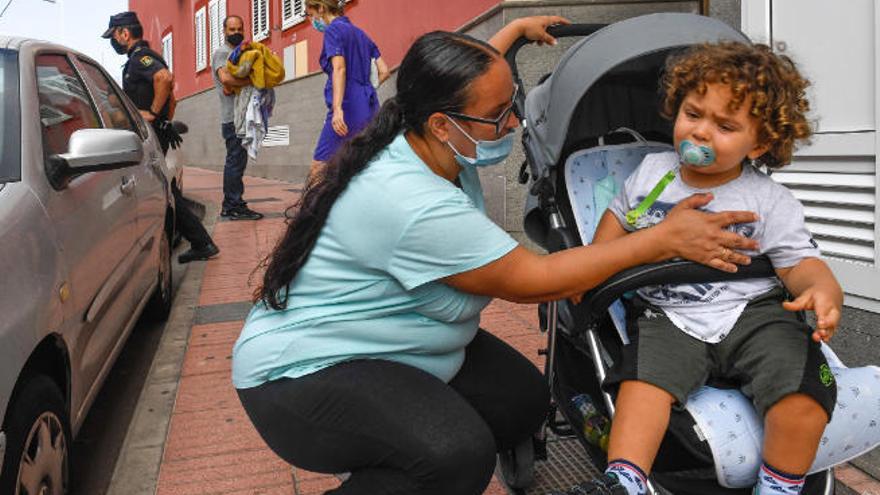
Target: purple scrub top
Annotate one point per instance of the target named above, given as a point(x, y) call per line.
point(360, 102)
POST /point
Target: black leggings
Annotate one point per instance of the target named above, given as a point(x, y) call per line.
point(400, 430)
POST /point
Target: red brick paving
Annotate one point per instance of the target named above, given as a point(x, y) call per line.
point(211, 447)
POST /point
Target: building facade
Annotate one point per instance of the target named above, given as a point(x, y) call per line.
point(187, 31)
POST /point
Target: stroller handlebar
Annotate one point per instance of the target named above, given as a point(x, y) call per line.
point(596, 301)
point(557, 31)
point(519, 102)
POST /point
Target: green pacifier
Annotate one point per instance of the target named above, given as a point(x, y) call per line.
point(698, 156)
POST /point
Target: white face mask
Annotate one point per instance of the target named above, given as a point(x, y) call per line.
point(488, 152)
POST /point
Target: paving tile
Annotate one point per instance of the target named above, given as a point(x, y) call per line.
point(242, 479)
point(857, 480)
point(207, 359)
point(316, 486)
point(215, 333)
point(207, 391)
point(211, 446)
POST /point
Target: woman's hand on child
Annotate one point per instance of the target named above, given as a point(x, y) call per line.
point(701, 237)
point(824, 305)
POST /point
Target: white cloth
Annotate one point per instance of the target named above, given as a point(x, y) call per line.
point(727, 420)
point(256, 120)
point(708, 311)
point(254, 130)
point(239, 117)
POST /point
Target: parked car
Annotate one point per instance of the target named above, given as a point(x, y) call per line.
point(86, 218)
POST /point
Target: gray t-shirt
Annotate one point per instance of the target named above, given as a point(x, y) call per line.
point(227, 103)
point(708, 311)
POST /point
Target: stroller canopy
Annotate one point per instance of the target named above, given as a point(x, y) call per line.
point(635, 48)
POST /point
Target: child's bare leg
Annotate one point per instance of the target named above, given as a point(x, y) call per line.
point(793, 428)
point(640, 423)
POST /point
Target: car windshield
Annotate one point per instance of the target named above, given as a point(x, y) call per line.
point(10, 164)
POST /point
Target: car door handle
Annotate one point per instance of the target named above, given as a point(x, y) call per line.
point(127, 186)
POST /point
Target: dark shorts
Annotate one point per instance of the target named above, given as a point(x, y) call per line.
point(769, 354)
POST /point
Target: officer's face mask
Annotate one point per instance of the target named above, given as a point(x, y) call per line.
point(235, 39)
point(118, 47)
point(488, 152)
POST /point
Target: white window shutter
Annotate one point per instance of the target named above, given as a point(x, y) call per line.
point(299, 10)
point(292, 12)
point(286, 12)
point(213, 24)
point(260, 17)
point(201, 41)
point(839, 206)
point(168, 51)
point(220, 18)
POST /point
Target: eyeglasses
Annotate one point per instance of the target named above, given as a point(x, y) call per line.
point(498, 122)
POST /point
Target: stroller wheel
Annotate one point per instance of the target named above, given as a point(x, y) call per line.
point(518, 465)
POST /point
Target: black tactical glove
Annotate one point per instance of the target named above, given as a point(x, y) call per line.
point(166, 133)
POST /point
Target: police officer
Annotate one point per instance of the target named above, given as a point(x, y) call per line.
point(148, 83)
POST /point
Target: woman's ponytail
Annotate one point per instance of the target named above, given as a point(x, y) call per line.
point(306, 218)
point(434, 76)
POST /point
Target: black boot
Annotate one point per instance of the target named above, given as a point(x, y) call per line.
point(202, 253)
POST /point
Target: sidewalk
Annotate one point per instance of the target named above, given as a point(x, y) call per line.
point(211, 446)
point(190, 435)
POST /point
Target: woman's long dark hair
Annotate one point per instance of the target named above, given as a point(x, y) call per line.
point(434, 76)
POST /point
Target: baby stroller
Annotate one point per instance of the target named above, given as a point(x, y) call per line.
point(586, 127)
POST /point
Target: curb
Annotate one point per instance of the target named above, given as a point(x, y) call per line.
point(140, 457)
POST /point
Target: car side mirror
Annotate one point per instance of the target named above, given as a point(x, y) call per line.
point(94, 150)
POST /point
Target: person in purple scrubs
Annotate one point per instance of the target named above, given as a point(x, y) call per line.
point(346, 57)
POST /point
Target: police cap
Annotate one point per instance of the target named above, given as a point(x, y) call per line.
point(122, 19)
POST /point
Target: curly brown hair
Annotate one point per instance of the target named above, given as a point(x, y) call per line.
point(776, 89)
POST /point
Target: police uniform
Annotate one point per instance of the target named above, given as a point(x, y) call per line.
point(137, 82)
point(137, 76)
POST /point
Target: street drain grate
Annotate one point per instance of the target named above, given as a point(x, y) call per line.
point(567, 464)
point(219, 313)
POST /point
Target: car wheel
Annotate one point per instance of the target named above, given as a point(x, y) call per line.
point(159, 306)
point(37, 455)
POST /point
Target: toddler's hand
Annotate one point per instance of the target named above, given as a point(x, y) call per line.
point(825, 307)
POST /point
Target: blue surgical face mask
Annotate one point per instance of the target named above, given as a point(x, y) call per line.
point(319, 25)
point(488, 152)
point(697, 156)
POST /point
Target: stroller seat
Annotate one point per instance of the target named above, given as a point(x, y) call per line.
point(724, 418)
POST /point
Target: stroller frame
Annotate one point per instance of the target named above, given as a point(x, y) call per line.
point(558, 317)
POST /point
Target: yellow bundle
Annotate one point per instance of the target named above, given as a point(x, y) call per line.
point(259, 64)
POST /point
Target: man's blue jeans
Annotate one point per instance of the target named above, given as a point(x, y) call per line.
point(233, 169)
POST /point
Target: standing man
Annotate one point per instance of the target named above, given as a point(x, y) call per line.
point(234, 206)
point(149, 84)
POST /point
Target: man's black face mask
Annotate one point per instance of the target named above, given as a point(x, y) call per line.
point(235, 39)
point(119, 47)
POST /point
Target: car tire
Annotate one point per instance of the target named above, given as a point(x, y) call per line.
point(37, 456)
point(159, 306)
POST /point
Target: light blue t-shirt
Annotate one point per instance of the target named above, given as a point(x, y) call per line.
point(370, 288)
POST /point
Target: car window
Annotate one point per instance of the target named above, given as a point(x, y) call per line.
point(107, 99)
point(65, 106)
point(10, 125)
